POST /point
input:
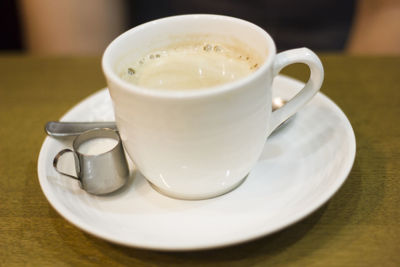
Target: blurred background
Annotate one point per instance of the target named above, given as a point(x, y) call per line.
point(75, 27)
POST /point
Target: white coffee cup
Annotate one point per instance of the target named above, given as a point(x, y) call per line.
point(198, 144)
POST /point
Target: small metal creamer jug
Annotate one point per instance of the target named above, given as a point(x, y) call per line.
point(99, 172)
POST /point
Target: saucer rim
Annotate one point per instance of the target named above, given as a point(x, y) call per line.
point(262, 232)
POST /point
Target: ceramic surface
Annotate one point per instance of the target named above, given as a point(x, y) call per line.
point(198, 144)
point(300, 168)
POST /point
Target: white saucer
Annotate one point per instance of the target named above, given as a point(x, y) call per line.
point(301, 168)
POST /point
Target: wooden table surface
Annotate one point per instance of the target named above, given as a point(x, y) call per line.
point(359, 226)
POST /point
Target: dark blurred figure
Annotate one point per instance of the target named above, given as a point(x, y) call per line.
point(322, 25)
point(86, 27)
point(10, 38)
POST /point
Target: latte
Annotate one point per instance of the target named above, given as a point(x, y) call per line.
point(190, 66)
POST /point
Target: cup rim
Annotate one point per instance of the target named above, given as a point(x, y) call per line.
point(192, 93)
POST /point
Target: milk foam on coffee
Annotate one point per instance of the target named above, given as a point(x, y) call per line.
point(190, 66)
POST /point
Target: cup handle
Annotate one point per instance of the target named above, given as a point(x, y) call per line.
point(57, 157)
point(283, 59)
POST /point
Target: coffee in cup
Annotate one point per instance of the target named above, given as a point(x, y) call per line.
point(188, 66)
